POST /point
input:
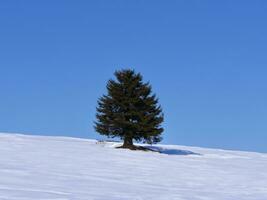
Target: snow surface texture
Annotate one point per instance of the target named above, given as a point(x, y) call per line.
point(60, 168)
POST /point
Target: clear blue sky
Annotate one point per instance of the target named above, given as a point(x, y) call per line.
point(206, 60)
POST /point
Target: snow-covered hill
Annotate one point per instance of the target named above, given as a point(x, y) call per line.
point(60, 168)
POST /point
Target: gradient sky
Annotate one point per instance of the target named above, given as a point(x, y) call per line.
point(206, 61)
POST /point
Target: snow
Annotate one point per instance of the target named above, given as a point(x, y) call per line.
point(61, 168)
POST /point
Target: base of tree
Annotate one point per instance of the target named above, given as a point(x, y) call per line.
point(134, 148)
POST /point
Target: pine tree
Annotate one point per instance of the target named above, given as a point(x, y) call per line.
point(129, 110)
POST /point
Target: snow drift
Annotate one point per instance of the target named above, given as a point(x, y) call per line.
point(60, 168)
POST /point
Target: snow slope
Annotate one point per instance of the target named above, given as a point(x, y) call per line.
point(60, 168)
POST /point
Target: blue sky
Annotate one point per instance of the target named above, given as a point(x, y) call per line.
point(206, 61)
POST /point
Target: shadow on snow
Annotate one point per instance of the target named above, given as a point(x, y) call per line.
point(172, 151)
point(159, 149)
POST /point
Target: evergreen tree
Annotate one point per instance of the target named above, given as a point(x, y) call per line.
point(129, 110)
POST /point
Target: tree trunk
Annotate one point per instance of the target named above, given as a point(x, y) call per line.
point(128, 143)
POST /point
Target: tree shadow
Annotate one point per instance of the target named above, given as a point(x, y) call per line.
point(172, 151)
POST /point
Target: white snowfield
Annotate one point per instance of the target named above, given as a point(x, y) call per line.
point(60, 168)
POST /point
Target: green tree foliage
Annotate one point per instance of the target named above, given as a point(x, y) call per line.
point(129, 110)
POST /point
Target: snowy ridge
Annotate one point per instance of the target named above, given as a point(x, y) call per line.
point(62, 168)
